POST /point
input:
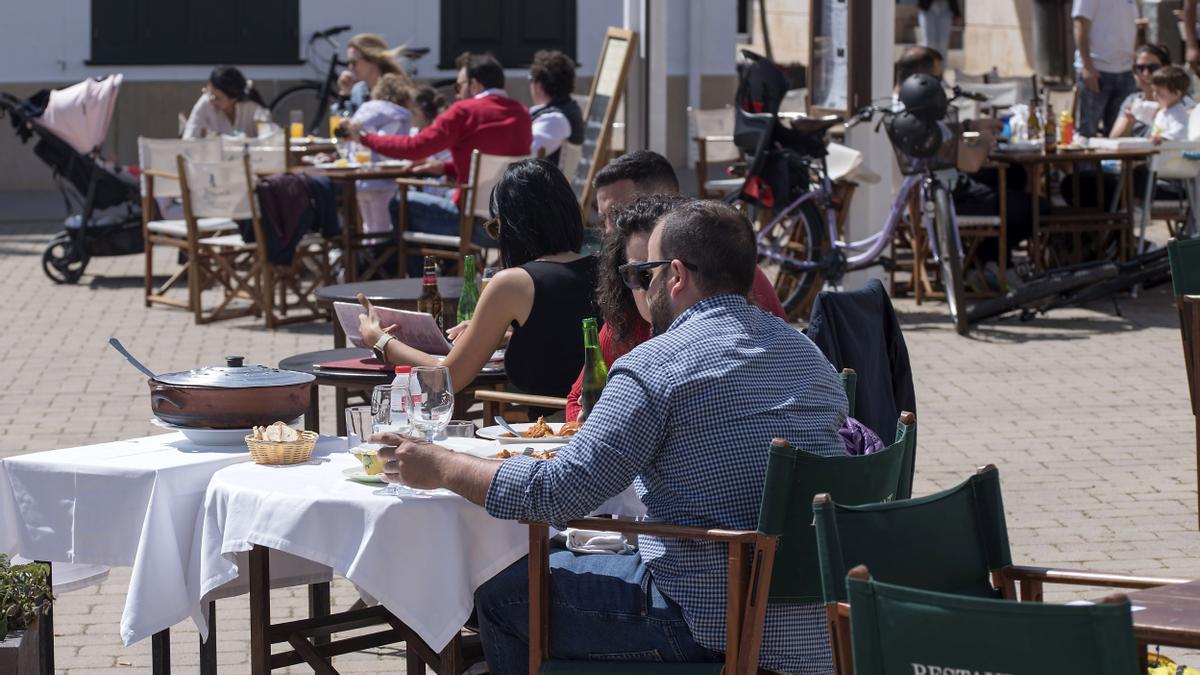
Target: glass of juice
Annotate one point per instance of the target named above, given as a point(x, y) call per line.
point(296, 124)
point(334, 121)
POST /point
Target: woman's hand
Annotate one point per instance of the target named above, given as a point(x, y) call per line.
point(348, 128)
point(368, 324)
point(345, 83)
point(453, 332)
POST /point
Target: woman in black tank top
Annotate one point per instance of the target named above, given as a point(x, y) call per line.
point(543, 294)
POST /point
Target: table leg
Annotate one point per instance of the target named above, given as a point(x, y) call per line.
point(312, 416)
point(350, 229)
point(46, 628)
point(450, 661)
point(339, 335)
point(160, 652)
point(318, 607)
point(260, 611)
point(208, 648)
point(1035, 239)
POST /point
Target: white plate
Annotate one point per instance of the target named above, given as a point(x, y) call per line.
point(359, 475)
point(225, 439)
point(493, 433)
point(471, 446)
point(337, 165)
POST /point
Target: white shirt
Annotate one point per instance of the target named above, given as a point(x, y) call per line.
point(1113, 36)
point(550, 131)
point(206, 120)
point(1172, 124)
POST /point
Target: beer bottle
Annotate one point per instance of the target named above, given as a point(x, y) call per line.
point(1050, 126)
point(430, 300)
point(595, 371)
point(1033, 123)
point(470, 291)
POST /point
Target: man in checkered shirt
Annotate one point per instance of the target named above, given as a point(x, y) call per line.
point(687, 417)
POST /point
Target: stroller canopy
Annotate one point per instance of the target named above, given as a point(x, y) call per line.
point(80, 113)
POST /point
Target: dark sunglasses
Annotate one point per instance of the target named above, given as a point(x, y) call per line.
point(1146, 68)
point(492, 227)
point(351, 62)
point(637, 276)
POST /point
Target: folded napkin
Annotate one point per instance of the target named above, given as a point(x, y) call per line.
point(595, 541)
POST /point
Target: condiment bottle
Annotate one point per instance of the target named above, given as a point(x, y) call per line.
point(595, 371)
point(1066, 128)
point(430, 300)
point(470, 291)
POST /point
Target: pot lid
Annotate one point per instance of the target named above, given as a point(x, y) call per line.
point(235, 375)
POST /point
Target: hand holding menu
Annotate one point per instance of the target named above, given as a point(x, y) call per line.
point(415, 329)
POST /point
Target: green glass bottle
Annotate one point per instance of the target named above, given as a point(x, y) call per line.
point(595, 371)
point(470, 291)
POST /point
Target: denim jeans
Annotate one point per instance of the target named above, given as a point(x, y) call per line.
point(602, 607)
point(935, 24)
point(1096, 107)
point(436, 215)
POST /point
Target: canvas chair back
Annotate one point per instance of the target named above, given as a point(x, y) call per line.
point(217, 189)
point(905, 630)
point(160, 155)
point(716, 126)
point(794, 477)
point(1184, 255)
point(569, 156)
point(947, 542)
point(486, 171)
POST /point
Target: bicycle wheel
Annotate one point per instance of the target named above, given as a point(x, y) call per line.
point(302, 97)
point(950, 258)
point(797, 237)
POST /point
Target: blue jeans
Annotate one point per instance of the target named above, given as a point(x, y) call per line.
point(935, 24)
point(602, 607)
point(1102, 107)
point(436, 215)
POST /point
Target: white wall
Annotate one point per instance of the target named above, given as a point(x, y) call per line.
point(49, 40)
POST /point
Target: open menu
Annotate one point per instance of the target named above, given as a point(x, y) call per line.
point(415, 329)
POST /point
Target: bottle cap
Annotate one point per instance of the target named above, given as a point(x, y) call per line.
point(403, 370)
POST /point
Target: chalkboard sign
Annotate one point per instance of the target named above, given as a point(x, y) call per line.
point(607, 86)
point(839, 74)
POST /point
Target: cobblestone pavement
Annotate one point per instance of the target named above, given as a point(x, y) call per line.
point(1085, 413)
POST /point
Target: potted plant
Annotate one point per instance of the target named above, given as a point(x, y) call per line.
point(24, 596)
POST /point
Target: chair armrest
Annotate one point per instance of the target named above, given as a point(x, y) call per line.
point(1190, 299)
point(641, 527)
point(1085, 578)
point(513, 398)
point(160, 174)
point(426, 182)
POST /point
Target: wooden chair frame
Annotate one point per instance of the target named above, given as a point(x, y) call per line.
point(1031, 581)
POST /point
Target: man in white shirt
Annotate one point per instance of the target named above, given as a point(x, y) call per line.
point(557, 119)
point(1105, 39)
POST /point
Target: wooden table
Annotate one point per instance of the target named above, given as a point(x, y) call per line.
point(394, 293)
point(1171, 616)
point(352, 235)
point(1076, 219)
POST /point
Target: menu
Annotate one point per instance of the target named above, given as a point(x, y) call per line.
point(415, 329)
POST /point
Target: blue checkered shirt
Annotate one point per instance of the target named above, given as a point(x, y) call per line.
point(690, 414)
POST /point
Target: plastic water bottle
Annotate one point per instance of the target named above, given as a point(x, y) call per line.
point(399, 410)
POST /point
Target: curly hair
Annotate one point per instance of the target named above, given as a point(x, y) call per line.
point(554, 71)
point(393, 88)
point(614, 298)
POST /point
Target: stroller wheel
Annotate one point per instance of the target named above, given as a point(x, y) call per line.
point(62, 261)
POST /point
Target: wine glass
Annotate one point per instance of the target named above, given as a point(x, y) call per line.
point(431, 399)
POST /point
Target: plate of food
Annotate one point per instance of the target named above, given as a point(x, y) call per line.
point(540, 431)
point(472, 446)
point(338, 164)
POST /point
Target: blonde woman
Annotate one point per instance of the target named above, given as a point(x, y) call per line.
point(386, 113)
point(368, 58)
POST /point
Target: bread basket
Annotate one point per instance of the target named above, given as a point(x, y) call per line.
point(282, 452)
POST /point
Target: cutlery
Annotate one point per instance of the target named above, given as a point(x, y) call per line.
point(499, 420)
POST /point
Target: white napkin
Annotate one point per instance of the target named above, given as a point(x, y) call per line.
point(595, 541)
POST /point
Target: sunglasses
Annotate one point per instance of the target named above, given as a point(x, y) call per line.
point(637, 276)
point(1146, 68)
point(492, 227)
point(351, 62)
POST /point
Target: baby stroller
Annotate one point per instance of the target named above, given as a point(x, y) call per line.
point(102, 198)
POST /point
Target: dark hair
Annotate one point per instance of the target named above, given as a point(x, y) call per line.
point(649, 171)
point(1157, 51)
point(554, 71)
point(538, 212)
point(613, 297)
point(229, 81)
point(916, 61)
point(718, 240)
point(482, 67)
point(429, 101)
point(1174, 78)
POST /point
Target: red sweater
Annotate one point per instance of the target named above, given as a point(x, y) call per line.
point(762, 293)
point(493, 125)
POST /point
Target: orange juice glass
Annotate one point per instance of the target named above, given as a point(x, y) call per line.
point(334, 121)
point(296, 130)
point(362, 156)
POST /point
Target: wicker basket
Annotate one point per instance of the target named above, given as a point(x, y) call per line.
point(282, 452)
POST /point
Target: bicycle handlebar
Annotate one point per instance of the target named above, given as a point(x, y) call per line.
point(960, 93)
point(328, 33)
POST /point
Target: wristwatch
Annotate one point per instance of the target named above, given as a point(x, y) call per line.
point(380, 347)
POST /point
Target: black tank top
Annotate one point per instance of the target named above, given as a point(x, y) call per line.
point(545, 355)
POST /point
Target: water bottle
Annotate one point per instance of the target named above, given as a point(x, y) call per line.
point(399, 408)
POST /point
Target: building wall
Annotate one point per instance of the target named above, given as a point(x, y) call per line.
point(999, 34)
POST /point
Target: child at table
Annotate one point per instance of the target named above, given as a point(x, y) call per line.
point(1170, 88)
point(386, 113)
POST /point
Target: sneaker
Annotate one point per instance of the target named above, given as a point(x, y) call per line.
point(991, 274)
point(975, 282)
point(1013, 280)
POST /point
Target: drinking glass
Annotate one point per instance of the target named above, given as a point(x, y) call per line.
point(334, 122)
point(488, 273)
point(296, 124)
point(460, 429)
point(430, 399)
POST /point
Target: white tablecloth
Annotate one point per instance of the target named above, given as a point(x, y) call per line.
point(128, 503)
point(421, 556)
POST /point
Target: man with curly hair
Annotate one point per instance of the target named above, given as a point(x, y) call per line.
point(557, 119)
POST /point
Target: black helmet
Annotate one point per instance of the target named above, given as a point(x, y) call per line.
point(924, 96)
point(914, 136)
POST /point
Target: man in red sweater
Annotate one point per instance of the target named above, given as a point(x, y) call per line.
point(483, 118)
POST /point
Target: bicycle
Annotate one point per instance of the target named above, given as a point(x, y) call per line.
point(807, 251)
point(314, 97)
